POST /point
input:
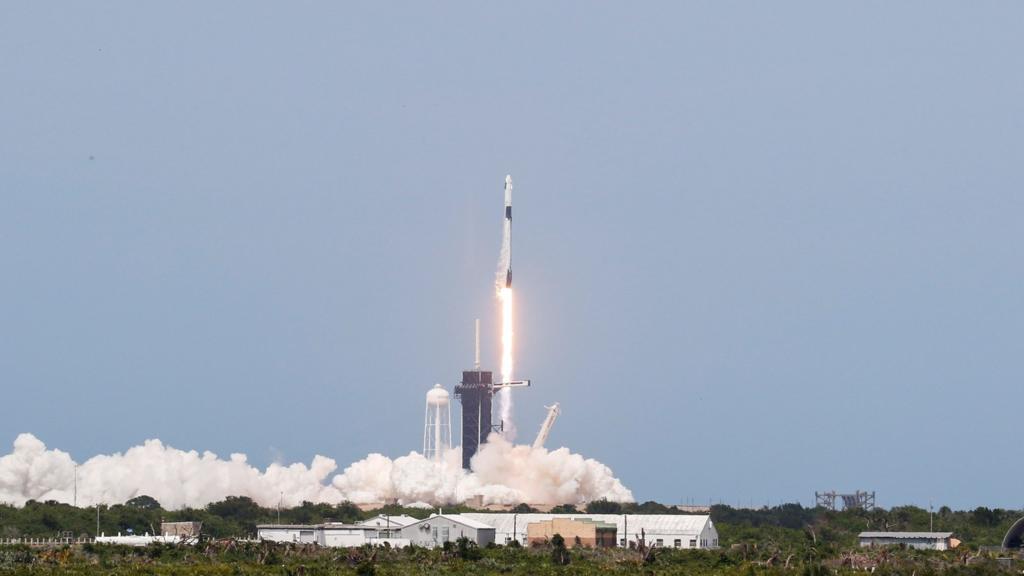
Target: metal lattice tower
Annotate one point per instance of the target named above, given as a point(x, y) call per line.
point(859, 500)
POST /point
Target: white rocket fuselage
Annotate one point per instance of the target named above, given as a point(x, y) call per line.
point(508, 228)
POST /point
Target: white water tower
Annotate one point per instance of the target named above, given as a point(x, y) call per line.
point(437, 425)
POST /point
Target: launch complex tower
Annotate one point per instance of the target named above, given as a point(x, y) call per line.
point(475, 392)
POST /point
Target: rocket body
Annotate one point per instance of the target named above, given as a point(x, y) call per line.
point(508, 230)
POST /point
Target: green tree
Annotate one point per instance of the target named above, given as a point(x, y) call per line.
point(604, 507)
point(984, 516)
point(143, 502)
point(467, 550)
point(559, 553)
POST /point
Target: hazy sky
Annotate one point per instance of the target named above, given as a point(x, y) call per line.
point(760, 249)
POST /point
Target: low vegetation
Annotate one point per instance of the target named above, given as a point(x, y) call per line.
point(783, 540)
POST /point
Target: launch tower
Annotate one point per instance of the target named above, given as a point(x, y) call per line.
point(475, 392)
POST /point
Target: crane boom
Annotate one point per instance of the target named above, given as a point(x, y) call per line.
point(545, 428)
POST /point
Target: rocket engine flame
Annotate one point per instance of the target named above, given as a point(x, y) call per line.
point(507, 339)
point(503, 285)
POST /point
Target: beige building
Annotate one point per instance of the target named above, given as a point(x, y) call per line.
point(576, 531)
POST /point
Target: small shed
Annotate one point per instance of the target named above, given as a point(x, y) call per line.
point(184, 530)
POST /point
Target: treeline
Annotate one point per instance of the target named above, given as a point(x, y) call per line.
point(793, 523)
point(234, 516)
point(789, 525)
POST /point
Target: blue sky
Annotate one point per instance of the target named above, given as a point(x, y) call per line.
point(761, 249)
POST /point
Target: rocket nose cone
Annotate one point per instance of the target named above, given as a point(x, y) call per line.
point(508, 180)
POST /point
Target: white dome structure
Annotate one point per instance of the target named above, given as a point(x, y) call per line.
point(437, 424)
point(438, 396)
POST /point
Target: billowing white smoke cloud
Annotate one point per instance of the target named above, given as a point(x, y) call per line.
point(502, 473)
point(176, 478)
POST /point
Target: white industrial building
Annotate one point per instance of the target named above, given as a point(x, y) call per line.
point(919, 540)
point(440, 528)
point(142, 539)
point(397, 531)
point(330, 535)
point(170, 533)
point(665, 530)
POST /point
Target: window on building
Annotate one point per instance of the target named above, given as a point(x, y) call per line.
point(622, 542)
point(693, 543)
point(677, 543)
point(659, 542)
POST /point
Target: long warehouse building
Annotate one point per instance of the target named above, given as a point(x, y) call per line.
point(663, 530)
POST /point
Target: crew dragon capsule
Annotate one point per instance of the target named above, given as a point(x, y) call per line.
point(508, 228)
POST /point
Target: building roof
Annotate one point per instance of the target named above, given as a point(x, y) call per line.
point(596, 523)
point(340, 526)
point(383, 521)
point(651, 524)
point(286, 527)
point(1015, 535)
point(906, 535)
point(463, 519)
point(328, 526)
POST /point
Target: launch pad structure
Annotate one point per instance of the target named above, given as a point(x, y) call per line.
point(475, 392)
point(859, 500)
